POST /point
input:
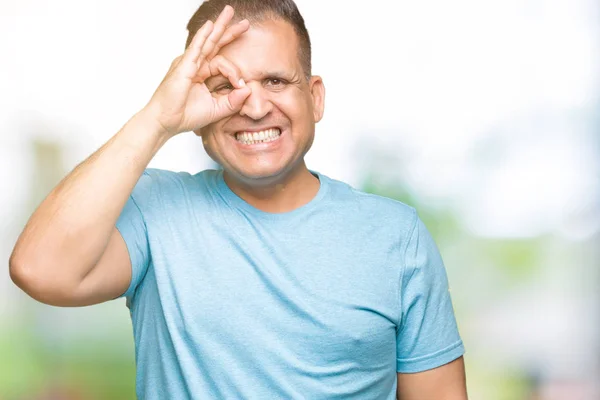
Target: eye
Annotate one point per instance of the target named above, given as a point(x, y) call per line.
point(276, 83)
point(226, 87)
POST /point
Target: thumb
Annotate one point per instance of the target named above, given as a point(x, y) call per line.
point(233, 102)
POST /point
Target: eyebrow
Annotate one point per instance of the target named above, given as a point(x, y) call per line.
point(277, 74)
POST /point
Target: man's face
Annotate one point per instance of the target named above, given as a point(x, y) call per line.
point(281, 110)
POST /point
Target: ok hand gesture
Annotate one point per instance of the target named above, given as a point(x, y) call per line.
point(182, 101)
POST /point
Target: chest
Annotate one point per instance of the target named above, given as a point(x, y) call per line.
point(303, 290)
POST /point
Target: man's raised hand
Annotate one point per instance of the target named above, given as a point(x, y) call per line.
point(182, 101)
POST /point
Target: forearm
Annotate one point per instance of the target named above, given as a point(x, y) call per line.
point(67, 234)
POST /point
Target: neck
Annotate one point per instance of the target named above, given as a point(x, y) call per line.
point(292, 191)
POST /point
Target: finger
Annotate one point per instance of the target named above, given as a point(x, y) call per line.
point(232, 103)
point(194, 50)
point(219, 66)
point(222, 66)
point(215, 36)
point(232, 33)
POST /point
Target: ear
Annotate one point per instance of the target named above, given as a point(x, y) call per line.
point(317, 91)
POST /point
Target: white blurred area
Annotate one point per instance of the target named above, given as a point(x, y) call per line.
point(491, 107)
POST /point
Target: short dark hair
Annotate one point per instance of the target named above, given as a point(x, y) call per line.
point(257, 11)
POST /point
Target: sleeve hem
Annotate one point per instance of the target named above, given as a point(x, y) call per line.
point(128, 236)
point(125, 234)
point(431, 361)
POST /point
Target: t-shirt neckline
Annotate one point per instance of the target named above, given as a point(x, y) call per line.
point(240, 203)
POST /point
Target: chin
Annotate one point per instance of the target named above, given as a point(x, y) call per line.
point(258, 175)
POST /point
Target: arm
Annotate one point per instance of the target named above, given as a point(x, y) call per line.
point(429, 348)
point(70, 253)
point(447, 382)
point(73, 229)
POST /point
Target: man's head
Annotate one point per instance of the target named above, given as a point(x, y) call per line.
point(257, 11)
point(273, 58)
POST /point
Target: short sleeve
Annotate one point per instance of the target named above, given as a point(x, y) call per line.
point(427, 335)
point(132, 227)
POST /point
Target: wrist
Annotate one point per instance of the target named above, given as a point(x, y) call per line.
point(144, 135)
point(149, 120)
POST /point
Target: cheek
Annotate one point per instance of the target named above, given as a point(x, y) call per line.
point(206, 131)
point(209, 134)
point(209, 142)
point(296, 107)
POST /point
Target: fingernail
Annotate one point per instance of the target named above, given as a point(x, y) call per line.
point(242, 83)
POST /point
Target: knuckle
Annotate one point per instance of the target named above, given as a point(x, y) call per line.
point(204, 53)
point(210, 42)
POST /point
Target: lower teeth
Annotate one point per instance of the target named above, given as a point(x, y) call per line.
point(250, 142)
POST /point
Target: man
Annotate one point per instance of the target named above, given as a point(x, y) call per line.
point(266, 279)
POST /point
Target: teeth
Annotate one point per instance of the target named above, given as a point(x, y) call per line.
point(258, 137)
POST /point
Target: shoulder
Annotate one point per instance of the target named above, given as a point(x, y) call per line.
point(154, 177)
point(168, 186)
point(163, 177)
point(372, 207)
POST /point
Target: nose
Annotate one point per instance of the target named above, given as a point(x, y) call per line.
point(257, 105)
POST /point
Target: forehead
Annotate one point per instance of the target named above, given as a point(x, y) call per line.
point(268, 45)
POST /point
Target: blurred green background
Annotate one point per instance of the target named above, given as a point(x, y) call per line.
point(484, 117)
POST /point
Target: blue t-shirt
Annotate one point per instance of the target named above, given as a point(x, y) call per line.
point(327, 301)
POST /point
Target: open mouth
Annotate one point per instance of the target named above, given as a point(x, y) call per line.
point(265, 136)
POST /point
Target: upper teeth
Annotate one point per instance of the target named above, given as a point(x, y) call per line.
point(254, 137)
